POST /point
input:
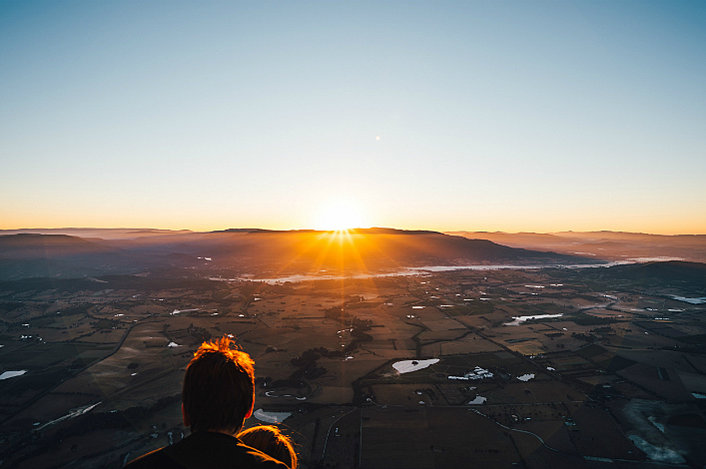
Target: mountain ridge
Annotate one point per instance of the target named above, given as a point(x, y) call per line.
point(245, 250)
point(609, 245)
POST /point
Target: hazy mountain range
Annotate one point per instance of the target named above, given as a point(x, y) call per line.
point(77, 252)
point(609, 245)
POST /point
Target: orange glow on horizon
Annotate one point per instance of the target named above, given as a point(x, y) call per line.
point(330, 218)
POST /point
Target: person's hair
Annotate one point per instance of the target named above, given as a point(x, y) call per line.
point(219, 387)
point(271, 441)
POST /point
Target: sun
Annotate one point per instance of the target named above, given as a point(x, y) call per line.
point(339, 215)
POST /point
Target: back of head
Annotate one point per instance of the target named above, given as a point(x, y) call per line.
point(219, 387)
point(271, 441)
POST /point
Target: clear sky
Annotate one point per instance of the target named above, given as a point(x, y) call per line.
point(492, 115)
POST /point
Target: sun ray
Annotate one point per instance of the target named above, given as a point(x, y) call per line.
point(321, 257)
point(300, 253)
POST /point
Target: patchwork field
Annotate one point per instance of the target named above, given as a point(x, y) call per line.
point(514, 368)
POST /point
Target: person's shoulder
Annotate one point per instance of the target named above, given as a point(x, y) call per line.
point(206, 449)
point(157, 459)
point(257, 459)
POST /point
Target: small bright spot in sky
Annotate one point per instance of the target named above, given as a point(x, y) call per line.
point(377, 137)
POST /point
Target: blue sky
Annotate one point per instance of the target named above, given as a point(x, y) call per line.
point(535, 116)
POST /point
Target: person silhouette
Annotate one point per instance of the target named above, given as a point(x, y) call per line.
point(271, 441)
point(218, 395)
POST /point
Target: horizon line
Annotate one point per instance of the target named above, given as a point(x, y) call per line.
point(449, 231)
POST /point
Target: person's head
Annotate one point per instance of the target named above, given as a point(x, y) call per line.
point(271, 441)
point(219, 388)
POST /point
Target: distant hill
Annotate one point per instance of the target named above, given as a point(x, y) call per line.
point(27, 246)
point(255, 251)
point(102, 233)
point(611, 245)
point(358, 250)
point(39, 255)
